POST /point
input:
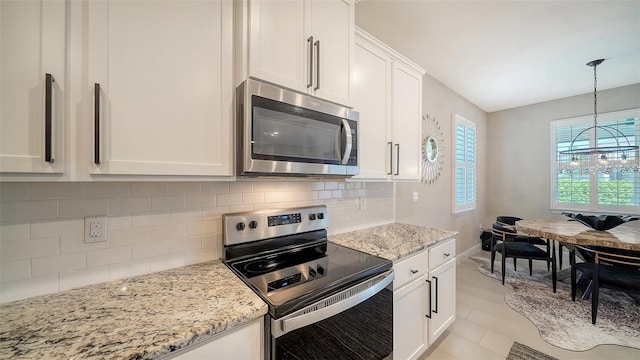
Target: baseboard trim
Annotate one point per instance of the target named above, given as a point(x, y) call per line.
point(468, 253)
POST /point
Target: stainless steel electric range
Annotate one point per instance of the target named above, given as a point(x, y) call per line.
point(325, 301)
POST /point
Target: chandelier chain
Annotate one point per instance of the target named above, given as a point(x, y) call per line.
point(595, 96)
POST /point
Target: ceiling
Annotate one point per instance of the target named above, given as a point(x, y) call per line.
point(505, 54)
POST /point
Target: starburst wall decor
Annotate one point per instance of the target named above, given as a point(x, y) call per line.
point(432, 150)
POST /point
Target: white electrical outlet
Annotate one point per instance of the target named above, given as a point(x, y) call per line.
point(414, 197)
point(95, 229)
point(363, 204)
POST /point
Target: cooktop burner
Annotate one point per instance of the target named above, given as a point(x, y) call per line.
point(260, 266)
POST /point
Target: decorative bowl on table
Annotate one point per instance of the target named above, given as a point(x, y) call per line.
point(601, 222)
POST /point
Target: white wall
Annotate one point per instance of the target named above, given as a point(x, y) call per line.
point(518, 149)
point(151, 226)
point(434, 208)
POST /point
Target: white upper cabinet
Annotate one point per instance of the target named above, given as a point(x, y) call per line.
point(406, 100)
point(159, 89)
point(371, 79)
point(32, 79)
point(302, 45)
point(387, 92)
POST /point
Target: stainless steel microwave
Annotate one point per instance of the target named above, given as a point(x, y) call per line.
point(286, 133)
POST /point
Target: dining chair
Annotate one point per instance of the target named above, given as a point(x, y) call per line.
point(605, 267)
point(504, 243)
point(510, 222)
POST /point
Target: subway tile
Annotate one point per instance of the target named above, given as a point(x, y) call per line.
point(229, 199)
point(241, 208)
point(331, 185)
point(15, 270)
point(75, 244)
point(150, 219)
point(325, 194)
point(14, 191)
point(212, 240)
point(106, 189)
point(201, 228)
point(57, 227)
point(128, 269)
point(318, 185)
point(184, 188)
point(129, 205)
point(186, 244)
point(74, 279)
point(253, 198)
point(201, 255)
point(287, 196)
point(118, 222)
point(171, 231)
point(200, 201)
point(184, 216)
point(15, 231)
point(23, 289)
point(170, 202)
point(108, 256)
point(150, 249)
point(40, 191)
point(149, 189)
point(27, 249)
point(28, 210)
point(214, 212)
point(84, 207)
point(129, 236)
point(263, 186)
point(336, 194)
point(241, 187)
point(55, 264)
point(209, 188)
point(166, 262)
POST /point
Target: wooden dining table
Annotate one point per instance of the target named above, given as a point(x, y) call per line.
point(625, 236)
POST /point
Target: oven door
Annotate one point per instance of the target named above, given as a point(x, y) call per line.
point(356, 323)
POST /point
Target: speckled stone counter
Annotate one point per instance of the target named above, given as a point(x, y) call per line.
point(626, 236)
point(143, 317)
point(392, 241)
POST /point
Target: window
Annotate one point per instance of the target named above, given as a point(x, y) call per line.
point(595, 192)
point(464, 197)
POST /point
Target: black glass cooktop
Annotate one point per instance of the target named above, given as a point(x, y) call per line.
point(291, 280)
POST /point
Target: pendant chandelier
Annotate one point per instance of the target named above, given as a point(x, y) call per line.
point(619, 155)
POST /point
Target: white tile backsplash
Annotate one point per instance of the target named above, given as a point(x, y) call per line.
point(151, 226)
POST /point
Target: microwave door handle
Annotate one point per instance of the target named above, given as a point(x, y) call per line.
point(349, 141)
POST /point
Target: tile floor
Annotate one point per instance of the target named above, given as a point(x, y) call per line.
point(478, 333)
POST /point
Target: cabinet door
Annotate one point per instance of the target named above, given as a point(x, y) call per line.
point(332, 29)
point(370, 79)
point(244, 343)
point(32, 44)
point(278, 47)
point(165, 97)
point(406, 98)
point(443, 303)
point(410, 305)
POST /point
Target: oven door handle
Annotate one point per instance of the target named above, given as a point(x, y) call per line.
point(326, 308)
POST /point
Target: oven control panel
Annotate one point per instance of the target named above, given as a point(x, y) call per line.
point(249, 226)
point(285, 219)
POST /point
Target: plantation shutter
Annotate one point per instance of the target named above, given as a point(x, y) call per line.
point(465, 165)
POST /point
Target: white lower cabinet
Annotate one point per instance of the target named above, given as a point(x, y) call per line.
point(410, 328)
point(424, 299)
point(244, 343)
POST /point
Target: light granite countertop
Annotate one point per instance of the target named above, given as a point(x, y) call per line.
point(392, 241)
point(142, 317)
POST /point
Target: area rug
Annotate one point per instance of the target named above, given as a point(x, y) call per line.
point(561, 321)
point(523, 352)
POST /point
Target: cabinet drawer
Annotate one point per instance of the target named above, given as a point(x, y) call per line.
point(442, 253)
point(410, 269)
